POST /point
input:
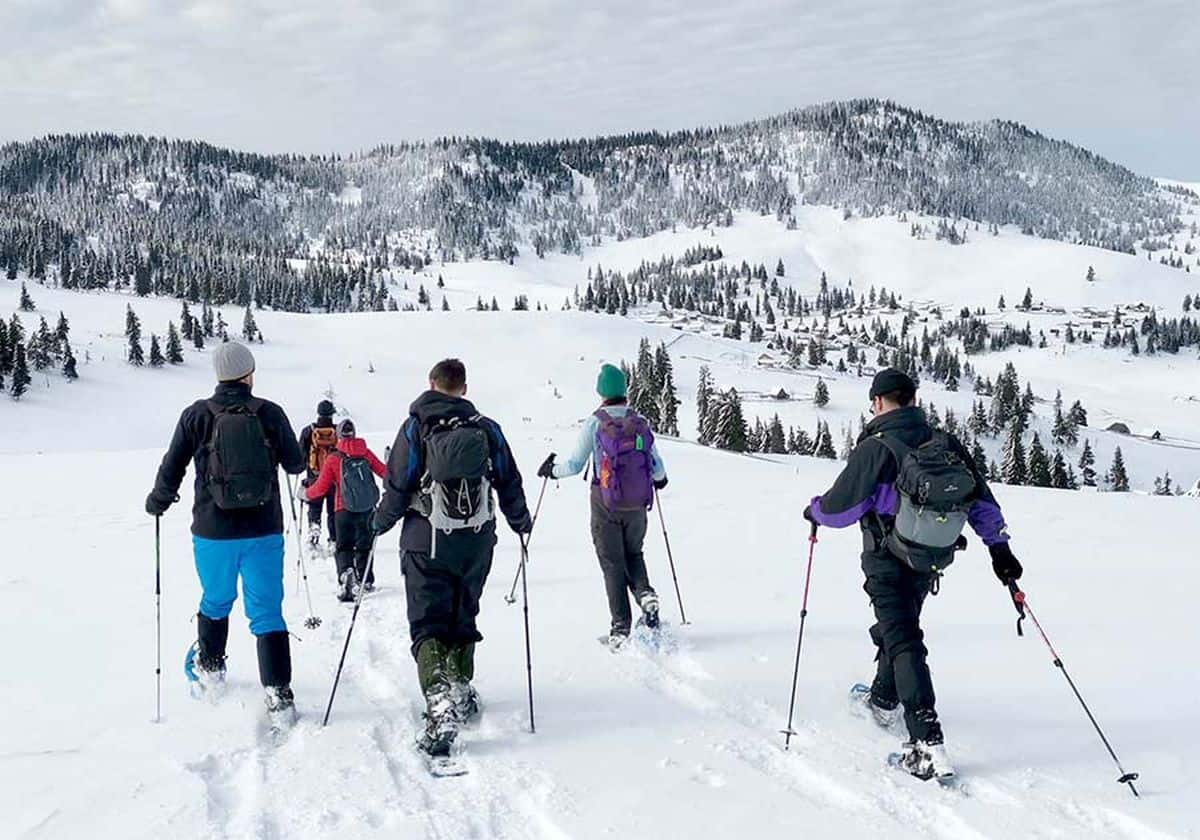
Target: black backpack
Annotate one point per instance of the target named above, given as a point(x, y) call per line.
point(936, 488)
point(241, 466)
point(457, 469)
point(360, 494)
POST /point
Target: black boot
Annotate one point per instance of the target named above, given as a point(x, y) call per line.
point(275, 659)
point(211, 636)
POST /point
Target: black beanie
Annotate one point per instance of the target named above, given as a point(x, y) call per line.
point(325, 408)
point(890, 380)
point(345, 429)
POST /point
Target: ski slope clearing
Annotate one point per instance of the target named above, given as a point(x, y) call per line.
point(682, 743)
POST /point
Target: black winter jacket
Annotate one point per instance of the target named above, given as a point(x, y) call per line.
point(190, 444)
point(406, 467)
point(867, 485)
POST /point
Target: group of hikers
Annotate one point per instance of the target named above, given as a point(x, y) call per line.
point(910, 487)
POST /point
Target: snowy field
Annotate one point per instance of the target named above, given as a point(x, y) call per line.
point(680, 744)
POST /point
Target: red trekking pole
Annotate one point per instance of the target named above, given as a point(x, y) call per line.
point(1021, 602)
point(812, 546)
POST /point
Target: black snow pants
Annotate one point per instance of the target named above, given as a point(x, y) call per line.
point(443, 591)
point(618, 537)
point(897, 594)
point(354, 543)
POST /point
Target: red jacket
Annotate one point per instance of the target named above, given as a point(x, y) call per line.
point(330, 477)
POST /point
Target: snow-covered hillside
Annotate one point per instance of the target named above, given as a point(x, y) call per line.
point(682, 744)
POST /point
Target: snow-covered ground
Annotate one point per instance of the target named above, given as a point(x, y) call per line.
point(683, 744)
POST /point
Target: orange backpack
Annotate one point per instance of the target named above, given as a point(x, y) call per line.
point(323, 442)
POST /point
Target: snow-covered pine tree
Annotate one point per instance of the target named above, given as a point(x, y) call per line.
point(197, 336)
point(1014, 469)
point(668, 397)
point(1058, 471)
point(821, 395)
point(776, 442)
point(704, 398)
point(20, 375)
point(824, 446)
point(1087, 465)
point(174, 345)
point(729, 423)
point(249, 326)
point(26, 304)
point(68, 366)
point(1039, 464)
point(133, 332)
point(156, 356)
point(1117, 478)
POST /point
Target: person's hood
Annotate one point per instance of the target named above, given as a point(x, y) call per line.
point(903, 422)
point(354, 447)
point(434, 405)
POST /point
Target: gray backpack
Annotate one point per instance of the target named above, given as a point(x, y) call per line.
point(936, 488)
point(360, 494)
point(458, 464)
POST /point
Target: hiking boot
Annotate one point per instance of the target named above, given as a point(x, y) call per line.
point(649, 604)
point(314, 536)
point(281, 706)
point(466, 701)
point(886, 714)
point(205, 673)
point(348, 586)
point(617, 640)
point(926, 760)
point(441, 722)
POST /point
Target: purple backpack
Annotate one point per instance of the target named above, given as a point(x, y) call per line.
point(623, 473)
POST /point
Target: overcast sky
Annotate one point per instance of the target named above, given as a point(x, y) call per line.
point(1121, 77)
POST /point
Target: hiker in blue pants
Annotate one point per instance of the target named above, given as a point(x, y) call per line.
point(626, 470)
point(237, 443)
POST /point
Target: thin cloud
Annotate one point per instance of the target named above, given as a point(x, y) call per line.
point(314, 76)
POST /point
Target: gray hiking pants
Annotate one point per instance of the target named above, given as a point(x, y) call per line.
point(618, 536)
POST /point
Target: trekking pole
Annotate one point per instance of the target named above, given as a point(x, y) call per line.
point(350, 631)
point(1021, 602)
point(670, 559)
point(511, 597)
point(312, 622)
point(812, 545)
point(528, 651)
point(158, 618)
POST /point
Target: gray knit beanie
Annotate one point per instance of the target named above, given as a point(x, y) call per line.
point(232, 361)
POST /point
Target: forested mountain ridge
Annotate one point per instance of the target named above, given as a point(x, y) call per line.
point(197, 221)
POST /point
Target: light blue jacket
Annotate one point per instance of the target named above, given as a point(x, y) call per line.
point(587, 448)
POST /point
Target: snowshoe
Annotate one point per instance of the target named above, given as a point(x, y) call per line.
point(614, 641)
point(314, 537)
point(649, 605)
point(924, 760)
point(281, 708)
point(205, 675)
point(862, 704)
point(330, 548)
point(348, 587)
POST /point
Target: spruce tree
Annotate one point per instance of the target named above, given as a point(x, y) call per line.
point(824, 447)
point(41, 347)
point(704, 398)
point(197, 336)
point(776, 442)
point(729, 424)
point(1014, 469)
point(186, 322)
point(668, 397)
point(68, 366)
point(1058, 471)
point(821, 396)
point(26, 303)
point(249, 326)
point(1118, 479)
point(156, 356)
point(62, 332)
point(133, 331)
point(1039, 464)
point(979, 457)
point(20, 375)
point(1087, 465)
point(174, 345)
point(6, 351)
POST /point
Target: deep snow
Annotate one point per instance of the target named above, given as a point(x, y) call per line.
point(682, 745)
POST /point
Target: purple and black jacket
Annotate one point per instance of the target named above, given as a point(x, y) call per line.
point(868, 483)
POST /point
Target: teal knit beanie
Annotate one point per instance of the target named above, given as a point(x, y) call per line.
point(610, 384)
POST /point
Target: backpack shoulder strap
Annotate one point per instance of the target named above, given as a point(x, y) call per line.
point(254, 405)
point(897, 447)
point(214, 407)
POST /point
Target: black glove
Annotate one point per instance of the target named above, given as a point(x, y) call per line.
point(524, 525)
point(1004, 564)
point(808, 514)
point(377, 527)
point(306, 482)
point(546, 470)
point(661, 483)
point(156, 506)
